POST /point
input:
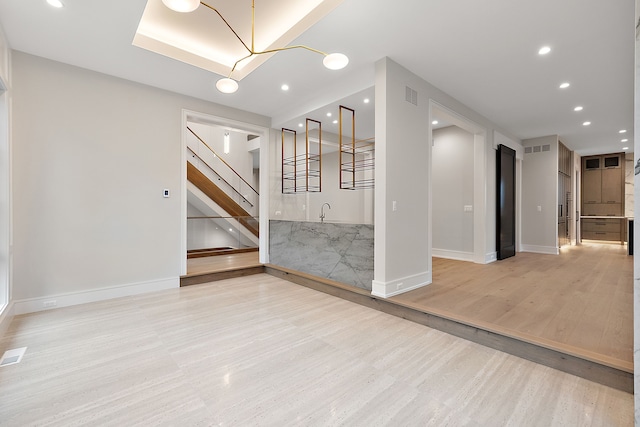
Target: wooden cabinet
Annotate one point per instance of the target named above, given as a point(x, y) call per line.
point(612, 185)
point(602, 228)
point(592, 186)
point(603, 196)
point(603, 185)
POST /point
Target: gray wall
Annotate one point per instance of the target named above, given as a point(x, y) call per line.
point(540, 196)
point(403, 157)
point(452, 177)
point(5, 180)
point(92, 154)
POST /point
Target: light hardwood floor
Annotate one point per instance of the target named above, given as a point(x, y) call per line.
point(580, 302)
point(259, 350)
point(222, 262)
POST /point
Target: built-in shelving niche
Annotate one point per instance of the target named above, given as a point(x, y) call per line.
point(302, 166)
point(357, 157)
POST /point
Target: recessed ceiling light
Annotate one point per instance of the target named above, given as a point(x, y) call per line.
point(624, 140)
point(300, 125)
point(435, 122)
point(578, 108)
point(625, 148)
point(564, 85)
point(366, 100)
point(586, 123)
point(55, 3)
point(335, 122)
point(328, 114)
point(622, 131)
point(544, 50)
point(284, 87)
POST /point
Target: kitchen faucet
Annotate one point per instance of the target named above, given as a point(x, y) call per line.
point(322, 211)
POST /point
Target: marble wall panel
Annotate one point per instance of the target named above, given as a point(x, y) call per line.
point(628, 184)
point(340, 252)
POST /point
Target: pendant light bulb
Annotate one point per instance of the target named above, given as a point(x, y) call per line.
point(335, 61)
point(183, 6)
point(227, 85)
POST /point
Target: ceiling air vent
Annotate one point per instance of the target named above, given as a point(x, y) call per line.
point(411, 96)
point(536, 149)
point(528, 150)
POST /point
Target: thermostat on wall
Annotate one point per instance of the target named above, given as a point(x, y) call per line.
point(165, 193)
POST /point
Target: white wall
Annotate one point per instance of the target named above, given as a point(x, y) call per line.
point(92, 156)
point(452, 178)
point(207, 233)
point(540, 197)
point(403, 156)
point(5, 185)
point(402, 248)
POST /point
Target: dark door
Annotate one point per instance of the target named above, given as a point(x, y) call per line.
point(506, 202)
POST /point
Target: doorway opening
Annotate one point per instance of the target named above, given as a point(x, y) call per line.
point(223, 172)
point(458, 187)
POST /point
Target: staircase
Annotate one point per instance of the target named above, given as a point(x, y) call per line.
point(220, 188)
point(215, 193)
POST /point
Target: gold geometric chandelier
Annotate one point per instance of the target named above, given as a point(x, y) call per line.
point(333, 61)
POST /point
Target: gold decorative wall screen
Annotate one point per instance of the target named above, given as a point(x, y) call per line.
point(357, 157)
point(302, 171)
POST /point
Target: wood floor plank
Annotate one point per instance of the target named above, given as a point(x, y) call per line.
point(581, 299)
point(259, 350)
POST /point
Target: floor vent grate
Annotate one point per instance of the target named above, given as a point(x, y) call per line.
point(11, 357)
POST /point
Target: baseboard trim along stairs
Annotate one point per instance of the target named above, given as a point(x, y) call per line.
point(197, 279)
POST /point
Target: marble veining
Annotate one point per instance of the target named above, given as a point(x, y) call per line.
point(340, 252)
point(628, 185)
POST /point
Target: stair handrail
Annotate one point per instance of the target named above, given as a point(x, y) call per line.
point(220, 176)
point(221, 159)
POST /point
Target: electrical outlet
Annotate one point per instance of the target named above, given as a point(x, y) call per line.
point(49, 304)
point(399, 286)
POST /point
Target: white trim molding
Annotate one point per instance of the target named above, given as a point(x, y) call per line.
point(449, 254)
point(33, 305)
point(549, 250)
point(6, 317)
point(400, 286)
point(490, 257)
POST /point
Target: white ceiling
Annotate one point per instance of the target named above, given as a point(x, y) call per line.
point(484, 53)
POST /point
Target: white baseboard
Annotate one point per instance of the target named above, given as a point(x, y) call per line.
point(49, 302)
point(491, 257)
point(399, 286)
point(549, 250)
point(6, 317)
point(449, 254)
